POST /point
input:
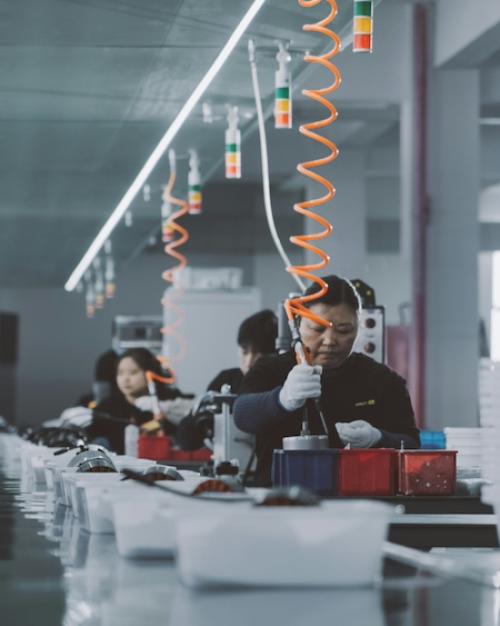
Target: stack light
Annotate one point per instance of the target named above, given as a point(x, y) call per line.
point(99, 284)
point(90, 301)
point(194, 184)
point(363, 26)
point(109, 271)
point(109, 276)
point(283, 90)
point(233, 145)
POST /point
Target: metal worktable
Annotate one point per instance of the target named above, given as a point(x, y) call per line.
point(52, 572)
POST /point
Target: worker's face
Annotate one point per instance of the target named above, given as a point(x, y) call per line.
point(130, 378)
point(331, 346)
point(247, 357)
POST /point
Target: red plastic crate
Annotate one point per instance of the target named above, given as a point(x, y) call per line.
point(154, 448)
point(162, 449)
point(370, 472)
point(203, 454)
point(427, 472)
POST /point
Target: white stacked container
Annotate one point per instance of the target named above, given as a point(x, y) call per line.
point(489, 411)
point(468, 443)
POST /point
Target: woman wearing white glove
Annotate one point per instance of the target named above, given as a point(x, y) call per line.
point(303, 382)
point(368, 401)
point(358, 434)
point(174, 410)
point(111, 416)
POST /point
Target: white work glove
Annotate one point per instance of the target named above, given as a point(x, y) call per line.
point(145, 403)
point(176, 410)
point(173, 410)
point(78, 416)
point(359, 434)
point(303, 382)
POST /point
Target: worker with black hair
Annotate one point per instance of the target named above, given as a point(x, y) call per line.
point(256, 338)
point(365, 403)
point(104, 384)
point(111, 416)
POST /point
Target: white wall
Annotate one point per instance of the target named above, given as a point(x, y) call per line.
point(466, 32)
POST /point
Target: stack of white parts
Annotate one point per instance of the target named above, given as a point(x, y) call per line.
point(468, 443)
point(489, 409)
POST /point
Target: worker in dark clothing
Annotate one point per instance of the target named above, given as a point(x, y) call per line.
point(256, 337)
point(104, 384)
point(365, 403)
point(111, 416)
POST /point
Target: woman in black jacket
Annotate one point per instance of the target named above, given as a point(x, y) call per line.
point(111, 416)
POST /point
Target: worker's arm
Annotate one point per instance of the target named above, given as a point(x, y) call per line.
point(273, 392)
point(257, 412)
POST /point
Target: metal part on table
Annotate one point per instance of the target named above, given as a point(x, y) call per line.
point(306, 442)
point(230, 444)
point(162, 472)
point(89, 459)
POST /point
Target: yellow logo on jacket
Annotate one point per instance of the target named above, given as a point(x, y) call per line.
point(365, 403)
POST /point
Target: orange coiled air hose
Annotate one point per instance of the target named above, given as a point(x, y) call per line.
point(171, 249)
point(296, 307)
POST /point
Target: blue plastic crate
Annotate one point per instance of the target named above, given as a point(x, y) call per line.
point(432, 440)
point(314, 469)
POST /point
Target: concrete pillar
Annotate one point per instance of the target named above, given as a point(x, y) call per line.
point(452, 250)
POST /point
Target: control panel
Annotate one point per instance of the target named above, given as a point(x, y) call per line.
point(371, 337)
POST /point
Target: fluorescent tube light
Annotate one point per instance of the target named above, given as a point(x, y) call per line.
point(164, 143)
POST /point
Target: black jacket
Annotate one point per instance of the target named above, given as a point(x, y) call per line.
point(360, 389)
point(111, 417)
point(194, 429)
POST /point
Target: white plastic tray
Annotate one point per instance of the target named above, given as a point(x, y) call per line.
point(336, 544)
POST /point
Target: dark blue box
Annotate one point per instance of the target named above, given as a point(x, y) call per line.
point(314, 469)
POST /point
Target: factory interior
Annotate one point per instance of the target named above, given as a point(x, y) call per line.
point(250, 312)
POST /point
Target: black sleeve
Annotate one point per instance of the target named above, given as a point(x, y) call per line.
point(217, 382)
point(398, 420)
point(192, 431)
point(257, 408)
point(120, 409)
point(231, 377)
point(141, 417)
point(257, 412)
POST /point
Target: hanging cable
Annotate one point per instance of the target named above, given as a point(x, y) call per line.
point(297, 307)
point(171, 275)
point(266, 187)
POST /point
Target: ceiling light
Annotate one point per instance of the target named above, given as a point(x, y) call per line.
point(164, 143)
